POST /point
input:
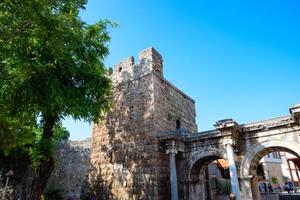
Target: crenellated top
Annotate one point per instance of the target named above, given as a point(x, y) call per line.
point(149, 61)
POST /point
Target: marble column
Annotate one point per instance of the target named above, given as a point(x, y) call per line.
point(235, 188)
point(173, 174)
point(246, 188)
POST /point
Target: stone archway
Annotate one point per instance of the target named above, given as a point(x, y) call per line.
point(196, 176)
point(243, 145)
point(249, 189)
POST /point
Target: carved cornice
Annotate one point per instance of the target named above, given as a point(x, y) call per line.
point(230, 129)
point(228, 124)
point(267, 124)
point(295, 112)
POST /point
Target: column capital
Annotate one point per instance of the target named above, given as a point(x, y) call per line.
point(173, 147)
point(295, 113)
point(228, 142)
point(171, 151)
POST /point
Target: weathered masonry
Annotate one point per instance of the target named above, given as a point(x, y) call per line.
point(242, 146)
point(148, 146)
point(126, 155)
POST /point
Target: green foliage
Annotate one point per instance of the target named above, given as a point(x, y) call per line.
point(274, 179)
point(15, 132)
point(51, 66)
point(60, 133)
point(54, 192)
point(31, 151)
point(42, 149)
point(51, 61)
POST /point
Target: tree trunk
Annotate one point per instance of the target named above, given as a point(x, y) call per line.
point(47, 166)
point(40, 182)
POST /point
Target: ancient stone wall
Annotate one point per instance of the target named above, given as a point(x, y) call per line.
point(72, 167)
point(127, 161)
point(70, 176)
point(121, 143)
point(173, 110)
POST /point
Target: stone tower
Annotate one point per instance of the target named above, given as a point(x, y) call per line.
point(127, 161)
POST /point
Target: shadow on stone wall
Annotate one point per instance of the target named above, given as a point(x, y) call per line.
point(125, 156)
point(72, 167)
point(97, 187)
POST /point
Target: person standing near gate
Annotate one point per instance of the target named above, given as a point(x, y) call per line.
point(265, 186)
point(261, 188)
point(270, 188)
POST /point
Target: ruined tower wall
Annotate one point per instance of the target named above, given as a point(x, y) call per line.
point(125, 154)
point(171, 107)
point(122, 144)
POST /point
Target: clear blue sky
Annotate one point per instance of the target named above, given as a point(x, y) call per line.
point(236, 59)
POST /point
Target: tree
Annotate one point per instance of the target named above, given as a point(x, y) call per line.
point(18, 152)
point(15, 132)
point(51, 67)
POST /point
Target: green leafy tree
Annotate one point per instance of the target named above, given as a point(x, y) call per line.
point(19, 156)
point(15, 132)
point(274, 179)
point(40, 150)
point(51, 66)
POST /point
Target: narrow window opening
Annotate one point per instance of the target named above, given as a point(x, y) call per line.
point(120, 69)
point(178, 125)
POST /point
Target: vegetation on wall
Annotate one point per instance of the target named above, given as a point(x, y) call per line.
point(274, 179)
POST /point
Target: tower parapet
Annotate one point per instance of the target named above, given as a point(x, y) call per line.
point(123, 71)
point(149, 61)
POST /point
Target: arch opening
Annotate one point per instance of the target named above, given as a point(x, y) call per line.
point(265, 164)
point(209, 179)
point(270, 150)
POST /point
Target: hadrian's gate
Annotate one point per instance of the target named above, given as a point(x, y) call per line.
point(148, 146)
